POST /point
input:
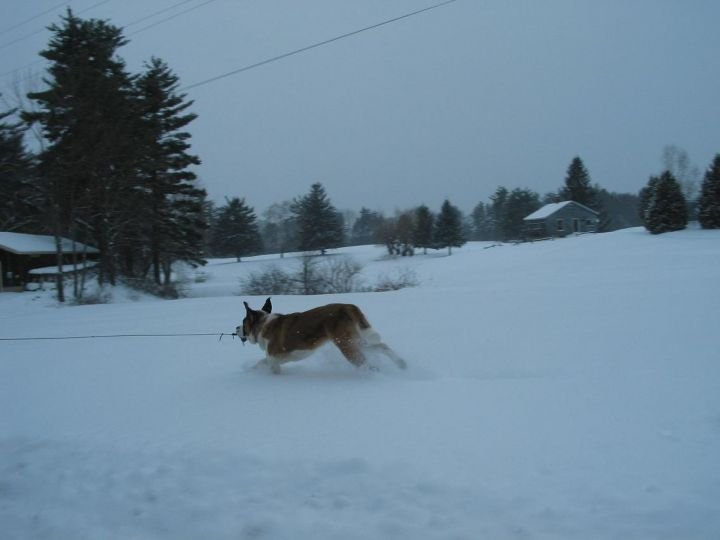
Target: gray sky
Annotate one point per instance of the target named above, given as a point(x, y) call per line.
point(448, 104)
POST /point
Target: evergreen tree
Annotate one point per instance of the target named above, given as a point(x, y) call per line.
point(236, 231)
point(364, 230)
point(319, 223)
point(520, 204)
point(482, 226)
point(646, 198)
point(88, 118)
point(617, 210)
point(172, 205)
point(496, 212)
point(709, 204)
point(667, 209)
point(20, 200)
point(577, 185)
point(424, 223)
point(449, 227)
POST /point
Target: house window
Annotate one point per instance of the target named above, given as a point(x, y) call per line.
point(560, 224)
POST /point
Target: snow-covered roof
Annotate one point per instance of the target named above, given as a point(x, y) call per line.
point(37, 244)
point(549, 209)
point(66, 268)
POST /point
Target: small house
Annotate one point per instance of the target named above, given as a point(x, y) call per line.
point(560, 219)
point(27, 258)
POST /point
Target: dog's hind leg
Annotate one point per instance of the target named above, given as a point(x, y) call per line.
point(350, 349)
point(373, 342)
point(387, 351)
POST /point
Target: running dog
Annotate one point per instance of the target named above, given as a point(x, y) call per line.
point(291, 337)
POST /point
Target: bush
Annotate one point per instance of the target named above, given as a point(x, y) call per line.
point(331, 276)
point(168, 291)
point(314, 275)
point(272, 281)
point(401, 279)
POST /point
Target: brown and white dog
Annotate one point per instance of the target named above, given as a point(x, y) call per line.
point(291, 337)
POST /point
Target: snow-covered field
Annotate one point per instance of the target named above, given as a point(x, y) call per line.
point(563, 389)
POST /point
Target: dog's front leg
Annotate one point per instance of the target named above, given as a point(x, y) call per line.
point(274, 364)
point(260, 363)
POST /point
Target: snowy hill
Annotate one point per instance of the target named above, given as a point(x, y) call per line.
point(563, 389)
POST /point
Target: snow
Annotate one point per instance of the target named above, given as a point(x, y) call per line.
point(565, 389)
point(37, 244)
point(52, 270)
point(549, 209)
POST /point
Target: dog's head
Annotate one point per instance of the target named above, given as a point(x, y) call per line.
point(253, 322)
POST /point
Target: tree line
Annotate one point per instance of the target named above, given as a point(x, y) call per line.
point(115, 170)
point(664, 207)
point(312, 223)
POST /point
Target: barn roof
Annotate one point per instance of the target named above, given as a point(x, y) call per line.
point(37, 244)
point(549, 209)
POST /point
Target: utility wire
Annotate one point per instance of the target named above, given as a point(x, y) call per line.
point(313, 46)
point(137, 21)
point(26, 36)
point(153, 25)
point(22, 23)
point(160, 12)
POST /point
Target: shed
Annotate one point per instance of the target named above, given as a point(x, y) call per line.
point(31, 257)
point(560, 219)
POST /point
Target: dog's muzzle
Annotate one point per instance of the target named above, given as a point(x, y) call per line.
point(239, 333)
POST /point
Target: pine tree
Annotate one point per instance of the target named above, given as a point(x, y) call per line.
point(172, 205)
point(20, 200)
point(424, 223)
point(236, 230)
point(646, 197)
point(520, 204)
point(364, 230)
point(709, 204)
point(319, 223)
point(482, 223)
point(88, 118)
point(449, 227)
point(496, 212)
point(667, 208)
point(577, 185)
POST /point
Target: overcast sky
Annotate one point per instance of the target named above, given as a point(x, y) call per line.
point(450, 103)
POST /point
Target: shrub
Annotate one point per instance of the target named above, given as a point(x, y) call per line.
point(400, 279)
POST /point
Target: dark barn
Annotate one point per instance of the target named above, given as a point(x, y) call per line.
point(26, 258)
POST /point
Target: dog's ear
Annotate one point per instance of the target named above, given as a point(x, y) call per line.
point(267, 306)
point(247, 308)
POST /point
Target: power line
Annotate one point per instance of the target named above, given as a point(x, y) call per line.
point(138, 21)
point(313, 46)
point(22, 23)
point(26, 36)
point(93, 6)
point(155, 14)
